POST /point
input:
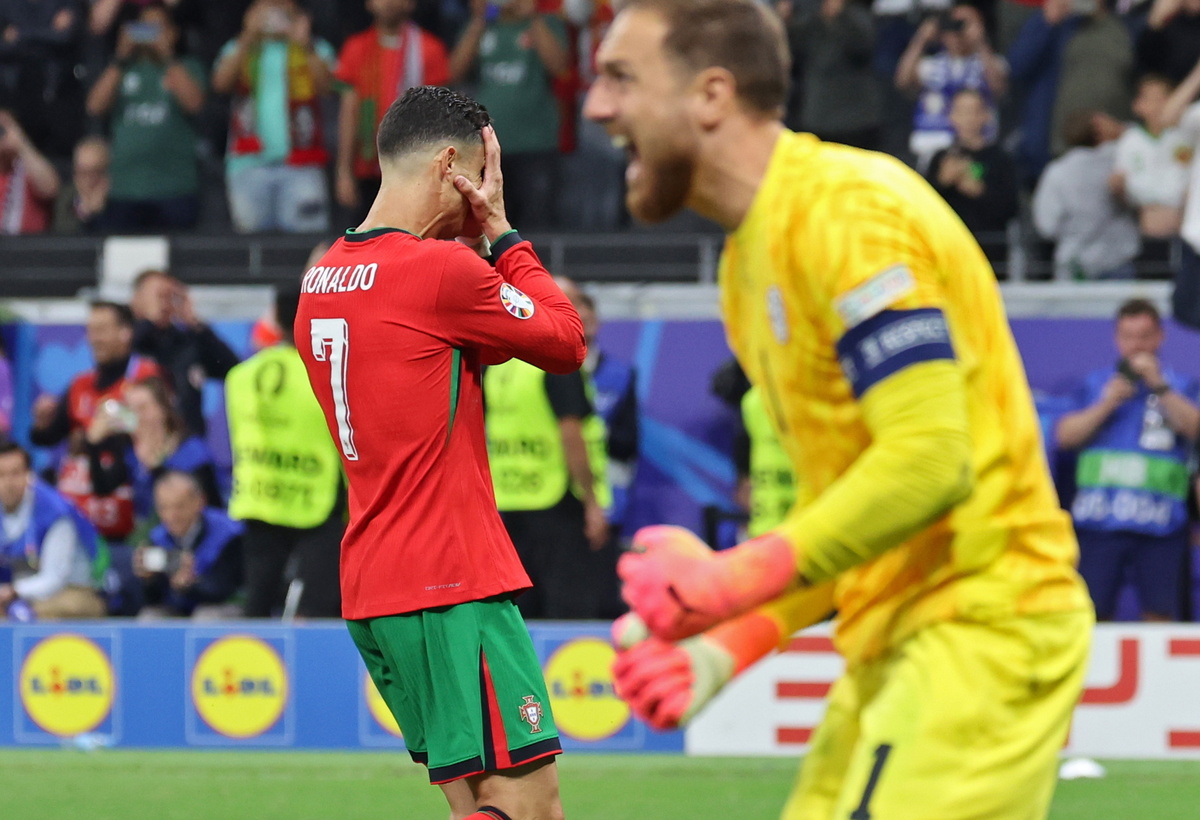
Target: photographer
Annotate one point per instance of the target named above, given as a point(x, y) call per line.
point(1134, 430)
point(194, 557)
point(153, 96)
point(949, 52)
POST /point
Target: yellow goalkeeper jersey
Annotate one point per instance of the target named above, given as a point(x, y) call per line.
point(847, 272)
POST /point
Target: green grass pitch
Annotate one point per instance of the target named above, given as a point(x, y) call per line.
point(181, 785)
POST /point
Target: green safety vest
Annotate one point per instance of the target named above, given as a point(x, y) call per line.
point(286, 468)
point(529, 465)
point(772, 483)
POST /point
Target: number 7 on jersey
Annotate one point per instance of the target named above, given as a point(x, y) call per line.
point(331, 343)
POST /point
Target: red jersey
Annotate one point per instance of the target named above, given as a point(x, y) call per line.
point(113, 515)
point(394, 331)
point(380, 73)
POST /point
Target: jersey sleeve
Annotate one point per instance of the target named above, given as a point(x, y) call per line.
point(878, 289)
point(882, 302)
point(514, 310)
point(568, 396)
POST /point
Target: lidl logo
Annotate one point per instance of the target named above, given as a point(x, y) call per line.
point(67, 685)
point(579, 676)
point(379, 708)
point(240, 686)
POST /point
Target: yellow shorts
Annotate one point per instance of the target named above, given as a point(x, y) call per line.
point(964, 721)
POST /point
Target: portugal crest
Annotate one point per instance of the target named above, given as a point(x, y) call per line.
point(531, 713)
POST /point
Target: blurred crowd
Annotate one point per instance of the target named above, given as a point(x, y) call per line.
point(1075, 118)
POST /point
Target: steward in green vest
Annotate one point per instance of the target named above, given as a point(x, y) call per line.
point(287, 476)
point(525, 443)
point(772, 484)
point(548, 454)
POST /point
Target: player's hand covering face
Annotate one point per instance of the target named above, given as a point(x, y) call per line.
point(640, 100)
point(485, 197)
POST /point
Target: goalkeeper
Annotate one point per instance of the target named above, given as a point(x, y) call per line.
point(869, 318)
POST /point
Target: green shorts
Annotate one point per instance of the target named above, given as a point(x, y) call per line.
point(464, 684)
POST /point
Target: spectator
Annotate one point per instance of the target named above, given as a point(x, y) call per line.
point(169, 332)
point(832, 46)
point(1097, 69)
point(548, 456)
point(518, 55)
point(1170, 43)
point(93, 416)
point(83, 206)
point(39, 42)
point(161, 444)
point(1035, 60)
point(153, 97)
point(28, 182)
point(6, 395)
point(287, 478)
point(277, 73)
point(962, 59)
point(976, 177)
point(1133, 426)
point(1096, 236)
point(47, 548)
point(194, 557)
point(1181, 110)
point(374, 68)
point(1152, 163)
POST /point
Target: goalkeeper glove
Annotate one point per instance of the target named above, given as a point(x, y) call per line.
point(666, 684)
point(679, 587)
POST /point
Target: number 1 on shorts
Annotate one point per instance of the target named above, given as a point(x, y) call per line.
point(331, 342)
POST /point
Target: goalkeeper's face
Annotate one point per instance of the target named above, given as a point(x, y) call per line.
point(644, 101)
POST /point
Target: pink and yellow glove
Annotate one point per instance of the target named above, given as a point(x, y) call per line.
point(679, 587)
point(666, 684)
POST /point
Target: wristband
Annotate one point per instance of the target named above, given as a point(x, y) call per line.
point(504, 242)
point(1161, 390)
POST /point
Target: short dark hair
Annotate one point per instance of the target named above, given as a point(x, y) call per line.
point(427, 115)
point(142, 277)
point(1159, 79)
point(1079, 129)
point(8, 447)
point(743, 37)
point(287, 304)
point(122, 312)
point(1139, 307)
point(182, 475)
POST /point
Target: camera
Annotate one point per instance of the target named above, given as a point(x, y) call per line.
point(949, 23)
point(276, 22)
point(143, 34)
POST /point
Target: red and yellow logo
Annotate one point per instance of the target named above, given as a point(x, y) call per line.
point(240, 686)
point(378, 707)
point(579, 676)
point(67, 685)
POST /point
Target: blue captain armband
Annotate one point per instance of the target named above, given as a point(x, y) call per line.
point(890, 341)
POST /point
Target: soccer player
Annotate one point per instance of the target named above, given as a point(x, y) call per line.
point(395, 323)
point(870, 319)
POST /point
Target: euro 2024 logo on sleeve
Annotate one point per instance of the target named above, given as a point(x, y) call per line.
point(240, 686)
point(67, 685)
point(579, 676)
